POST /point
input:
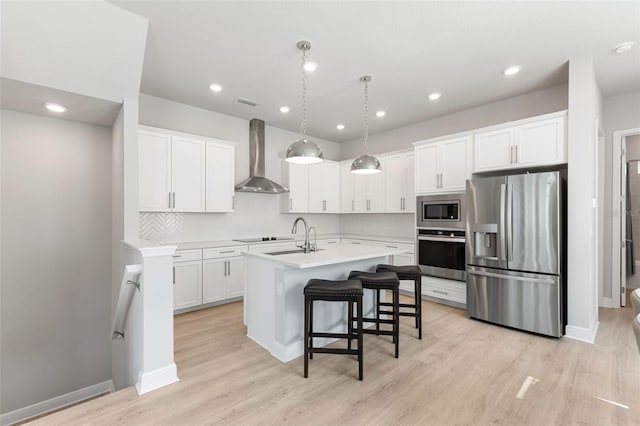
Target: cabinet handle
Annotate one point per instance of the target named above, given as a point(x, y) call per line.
point(177, 255)
point(392, 246)
point(441, 292)
point(233, 201)
point(225, 268)
point(169, 199)
point(174, 275)
point(355, 242)
point(174, 200)
point(516, 154)
point(227, 251)
point(229, 268)
point(352, 205)
point(511, 154)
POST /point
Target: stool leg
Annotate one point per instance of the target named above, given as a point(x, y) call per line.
point(311, 329)
point(377, 305)
point(360, 344)
point(419, 306)
point(396, 319)
point(349, 323)
point(306, 336)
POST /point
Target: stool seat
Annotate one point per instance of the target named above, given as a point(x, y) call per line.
point(373, 279)
point(404, 272)
point(318, 287)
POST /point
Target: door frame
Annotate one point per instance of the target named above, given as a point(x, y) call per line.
point(617, 211)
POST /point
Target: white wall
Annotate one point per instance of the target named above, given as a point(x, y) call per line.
point(585, 112)
point(56, 258)
point(528, 105)
point(620, 112)
point(255, 214)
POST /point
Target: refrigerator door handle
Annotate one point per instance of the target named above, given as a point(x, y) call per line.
point(512, 277)
point(509, 222)
point(503, 245)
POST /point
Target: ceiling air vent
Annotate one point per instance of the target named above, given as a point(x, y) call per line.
point(247, 102)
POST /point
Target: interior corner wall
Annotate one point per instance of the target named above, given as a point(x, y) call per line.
point(56, 258)
point(620, 112)
point(585, 112)
point(530, 104)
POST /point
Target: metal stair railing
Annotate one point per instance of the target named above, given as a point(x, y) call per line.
point(130, 281)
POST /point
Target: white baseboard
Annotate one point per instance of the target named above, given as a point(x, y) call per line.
point(582, 334)
point(156, 379)
point(607, 302)
point(56, 403)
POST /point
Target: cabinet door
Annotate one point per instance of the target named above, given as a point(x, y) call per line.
point(214, 280)
point(347, 189)
point(235, 277)
point(375, 188)
point(540, 143)
point(426, 171)
point(187, 174)
point(453, 164)
point(332, 187)
point(492, 150)
point(298, 188)
point(360, 192)
point(317, 191)
point(220, 177)
point(401, 260)
point(410, 194)
point(187, 284)
point(154, 165)
point(395, 183)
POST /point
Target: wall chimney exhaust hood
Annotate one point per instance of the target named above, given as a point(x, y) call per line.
point(257, 182)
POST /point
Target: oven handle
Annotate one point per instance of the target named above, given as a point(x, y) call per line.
point(445, 239)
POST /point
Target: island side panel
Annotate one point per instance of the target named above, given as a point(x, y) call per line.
point(259, 300)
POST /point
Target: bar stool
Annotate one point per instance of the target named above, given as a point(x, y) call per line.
point(411, 273)
point(382, 281)
point(349, 291)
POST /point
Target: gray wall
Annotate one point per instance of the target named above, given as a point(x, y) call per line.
point(56, 258)
point(528, 105)
point(633, 158)
point(620, 112)
point(255, 214)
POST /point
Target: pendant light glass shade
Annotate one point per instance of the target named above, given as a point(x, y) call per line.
point(304, 151)
point(366, 164)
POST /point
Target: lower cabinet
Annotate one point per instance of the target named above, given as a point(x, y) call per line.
point(402, 259)
point(222, 279)
point(187, 279)
point(448, 290)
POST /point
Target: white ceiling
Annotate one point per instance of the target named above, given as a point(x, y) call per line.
point(410, 48)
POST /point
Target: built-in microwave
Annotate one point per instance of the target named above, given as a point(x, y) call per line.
point(440, 211)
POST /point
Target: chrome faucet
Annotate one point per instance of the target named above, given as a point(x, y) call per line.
point(306, 247)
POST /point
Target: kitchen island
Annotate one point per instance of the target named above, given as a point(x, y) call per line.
point(274, 300)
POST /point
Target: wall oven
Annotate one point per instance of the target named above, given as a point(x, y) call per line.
point(440, 236)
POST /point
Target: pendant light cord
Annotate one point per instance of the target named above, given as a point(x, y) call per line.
point(303, 125)
point(366, 117)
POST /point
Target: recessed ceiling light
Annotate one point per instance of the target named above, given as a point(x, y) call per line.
point(284, 109)
point(380, 113)
point(512, 70)
point(53, 107)
point(341, 127)
point(434, 96)
point(215, 87)
point(310, 66)
point(623, 47)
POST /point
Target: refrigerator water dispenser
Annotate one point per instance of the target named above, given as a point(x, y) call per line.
point(485, 241)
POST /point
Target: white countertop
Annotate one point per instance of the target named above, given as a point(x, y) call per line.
point(191, 245)
point(340, 253)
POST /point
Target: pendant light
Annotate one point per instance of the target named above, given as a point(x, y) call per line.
point(366, 164)
point(304, 151)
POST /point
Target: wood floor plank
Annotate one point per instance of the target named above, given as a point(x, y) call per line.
point(462, 372)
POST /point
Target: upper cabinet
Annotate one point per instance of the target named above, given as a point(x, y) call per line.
point(313, 188)
point(347, 189)
point(539, 141)
point(183, 173)
point(369, 190)
point(442, 166)
point(399, 183)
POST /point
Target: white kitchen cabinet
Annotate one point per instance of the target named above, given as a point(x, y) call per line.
point(347, 189)
point(154, 171)
point(187, 279)
point(296, 178)
point(399, 183)
point(407, 258)
point(222, 278)
point(188, 174)
point(443, 289)
point(324, 187)
point(539, 141)
point(369, 191)
point(220, 176)
point(442, 166)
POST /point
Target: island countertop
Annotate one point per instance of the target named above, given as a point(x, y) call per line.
point(339, 253)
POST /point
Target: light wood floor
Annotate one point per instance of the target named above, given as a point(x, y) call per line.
point(462, 372)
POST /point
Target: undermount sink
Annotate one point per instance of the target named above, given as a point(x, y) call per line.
point(278, 253)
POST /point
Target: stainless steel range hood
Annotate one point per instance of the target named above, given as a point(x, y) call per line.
point(257, 182)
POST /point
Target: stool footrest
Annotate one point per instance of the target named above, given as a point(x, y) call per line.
point(376, 320)
point(408, 314)
point(401, 305)
point(332, 335)
point(333, 351)
point(379, 332)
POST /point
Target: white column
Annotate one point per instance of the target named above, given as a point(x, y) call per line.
point(158, 368)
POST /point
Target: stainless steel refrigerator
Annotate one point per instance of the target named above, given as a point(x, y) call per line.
point(516, 245)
